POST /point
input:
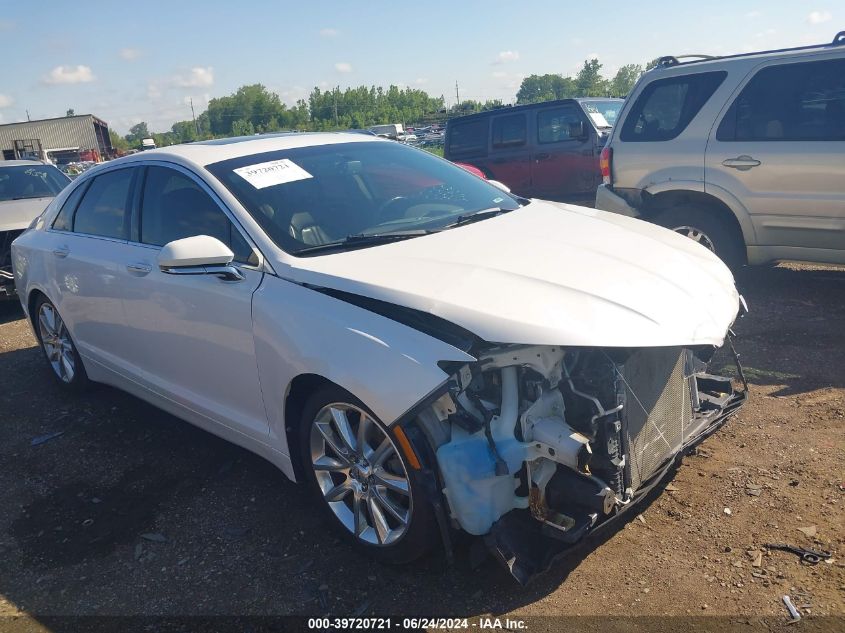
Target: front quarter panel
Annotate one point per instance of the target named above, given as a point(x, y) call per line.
point(388, 366)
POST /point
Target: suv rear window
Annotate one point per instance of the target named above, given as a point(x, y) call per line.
point(666, 106)
point(469, 138)
point(790, 102)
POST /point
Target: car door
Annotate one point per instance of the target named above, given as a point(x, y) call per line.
point(88, 242)
point(508, 159)
point(779, 148)
point(564, 163)
point(190, 336)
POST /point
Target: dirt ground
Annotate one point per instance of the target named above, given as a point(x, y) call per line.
point(110, 506)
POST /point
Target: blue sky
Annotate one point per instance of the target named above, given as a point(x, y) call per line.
point(141, 61)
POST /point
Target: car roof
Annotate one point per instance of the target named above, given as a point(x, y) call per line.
point(528, 106)
point(21, 163)
point(202, 153)
point(710, 62)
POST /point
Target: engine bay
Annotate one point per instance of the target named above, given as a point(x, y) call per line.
point(566, 438)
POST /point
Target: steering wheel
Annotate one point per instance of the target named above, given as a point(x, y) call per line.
point(389, 205)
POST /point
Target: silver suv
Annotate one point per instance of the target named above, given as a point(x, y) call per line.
point(745, 153)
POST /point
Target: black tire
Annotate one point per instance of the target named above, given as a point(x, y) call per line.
point(723, 238)
point(79, 380)
point(421, 532)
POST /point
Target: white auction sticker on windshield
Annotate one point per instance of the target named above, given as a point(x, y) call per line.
point(274, 172)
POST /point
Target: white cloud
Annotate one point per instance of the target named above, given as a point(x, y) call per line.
point(69, 75)
point(753, 14)
point(129, 54)
point(328, 32)
point(593, 56)
point(421, 81)
point(499, 74)
point(198, 77)
point(7, 25)
point(506, 56)
point(819, 17)
point(343, 67)
point(5, 101)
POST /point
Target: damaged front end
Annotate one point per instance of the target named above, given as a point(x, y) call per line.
point(537, 446)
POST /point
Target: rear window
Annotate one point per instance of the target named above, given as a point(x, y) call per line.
point(666, 106)
point(790, 102)
point(468, 138)
point(509, 131)
point(19, 182)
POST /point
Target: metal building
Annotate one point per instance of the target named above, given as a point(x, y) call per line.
point(80, 137)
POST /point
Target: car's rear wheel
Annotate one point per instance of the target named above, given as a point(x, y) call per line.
point(704, 227)
point(58, 346)
point(361, 478)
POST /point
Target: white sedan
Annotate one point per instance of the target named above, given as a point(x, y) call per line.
point(424, 350)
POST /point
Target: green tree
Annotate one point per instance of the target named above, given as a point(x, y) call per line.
point(70, 112)
point(138, 132)
point(243, 127)
point(536, 88)
point(625, 79)
point(589, 82)
point(118, 142)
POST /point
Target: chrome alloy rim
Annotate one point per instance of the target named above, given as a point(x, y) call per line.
point(56, 341)
point(360, 474)
point(696, 235)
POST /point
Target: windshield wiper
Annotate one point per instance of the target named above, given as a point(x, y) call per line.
point(475, 216)
point(364, 239)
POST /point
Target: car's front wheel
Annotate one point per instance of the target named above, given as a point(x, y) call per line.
point(58, 346)
point(362, 480)
point(708, 229)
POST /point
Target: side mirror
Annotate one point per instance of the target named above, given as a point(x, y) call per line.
point(500, 185)
point(198, 255)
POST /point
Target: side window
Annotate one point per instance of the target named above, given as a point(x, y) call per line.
point(64, 219)
point(789, 102)
point(468, 138)
point(174, 206)
point(509, 131)
point(104, 209)
point(666, 106)
point(558, 124)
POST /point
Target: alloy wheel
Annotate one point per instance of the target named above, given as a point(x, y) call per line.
point(696, 235)
point(55, 339)
point(360, 473)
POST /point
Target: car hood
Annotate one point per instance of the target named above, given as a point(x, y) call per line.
point(18, 214)
point(547, 274)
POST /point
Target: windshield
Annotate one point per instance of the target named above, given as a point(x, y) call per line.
point(607, 108)
point(312, 196)
point(30, 181)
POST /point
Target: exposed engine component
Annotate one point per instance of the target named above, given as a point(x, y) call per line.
point(568, 436)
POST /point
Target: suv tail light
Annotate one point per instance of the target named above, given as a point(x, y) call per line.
point(605, 164)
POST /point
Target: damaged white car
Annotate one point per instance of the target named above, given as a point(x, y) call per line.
point(424, 350)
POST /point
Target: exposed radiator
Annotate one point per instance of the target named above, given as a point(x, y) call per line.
point(6, 239)
point(657, 409)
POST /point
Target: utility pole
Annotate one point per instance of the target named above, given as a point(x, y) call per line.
point(457, 94)
point(196, 125)
point(27, 115)
point(335, 106)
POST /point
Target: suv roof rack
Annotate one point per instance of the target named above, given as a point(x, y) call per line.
point(674, 60)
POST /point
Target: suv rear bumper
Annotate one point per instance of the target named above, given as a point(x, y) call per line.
point(608, 200)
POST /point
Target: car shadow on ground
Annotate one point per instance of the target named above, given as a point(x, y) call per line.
point(117, 507)
point(10, 310)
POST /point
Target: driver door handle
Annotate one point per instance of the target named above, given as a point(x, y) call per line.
point(61, 251)
point(139, 268)
point(542, 156)
point(742, 163)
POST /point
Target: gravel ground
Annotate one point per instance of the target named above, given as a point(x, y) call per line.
point(127, 510)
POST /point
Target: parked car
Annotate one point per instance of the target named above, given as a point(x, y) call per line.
point(26, 188)
point(417, 346)
point(543, 150)
point(743, 153)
